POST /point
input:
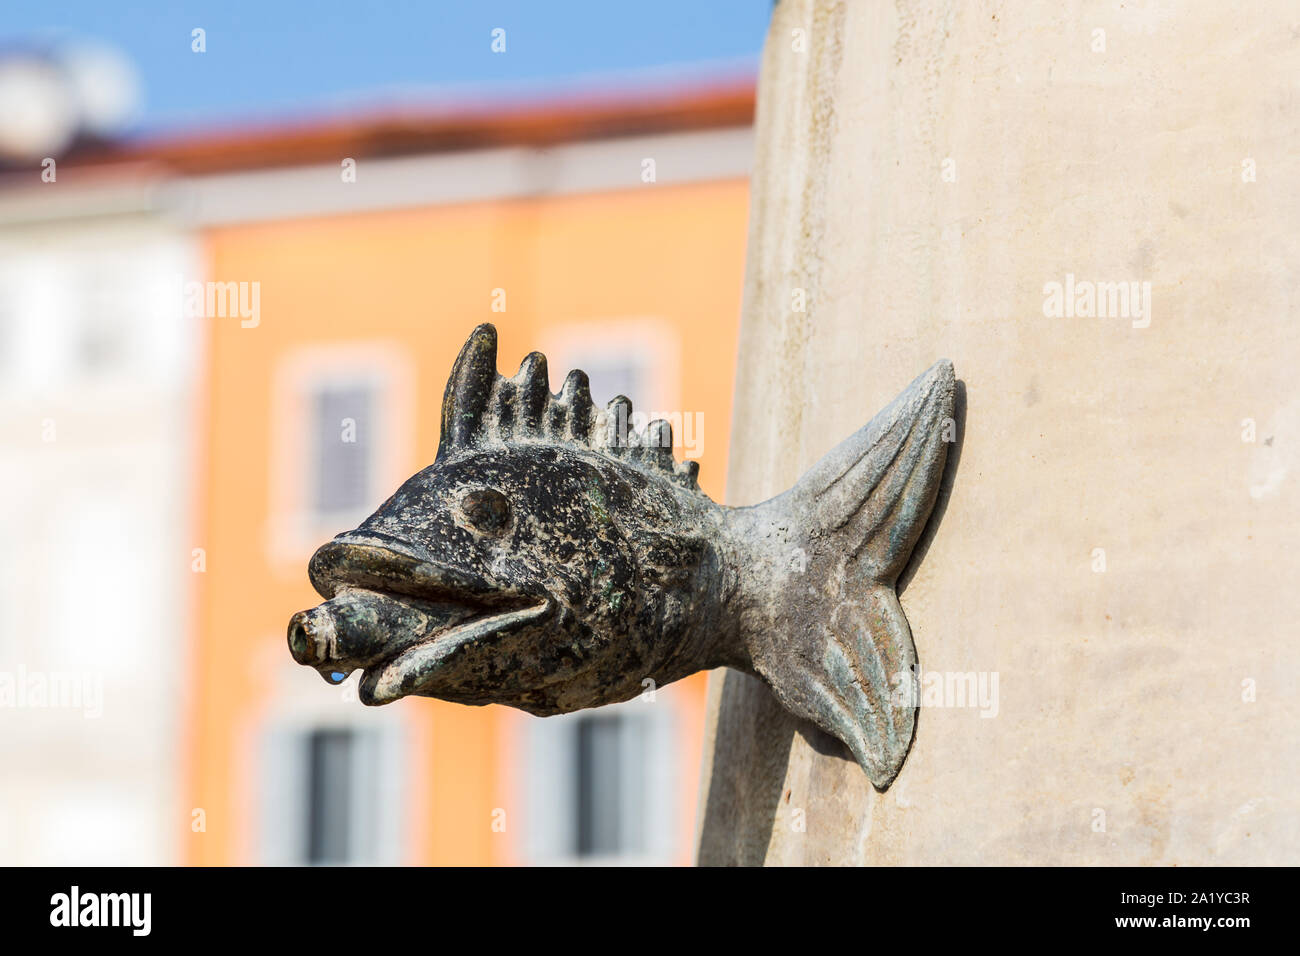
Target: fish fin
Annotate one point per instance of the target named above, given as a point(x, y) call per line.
point(860, 685)
point(872, 494)
point(857, 514)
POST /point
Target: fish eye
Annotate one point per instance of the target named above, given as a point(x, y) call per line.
point(487, 510)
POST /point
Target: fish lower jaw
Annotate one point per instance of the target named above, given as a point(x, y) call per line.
point(407, 672)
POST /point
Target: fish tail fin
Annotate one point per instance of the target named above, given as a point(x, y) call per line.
point(857, 514)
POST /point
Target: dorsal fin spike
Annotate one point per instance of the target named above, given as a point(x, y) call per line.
point(469, 390)
point(576, 394)
point(619, 434)
point(576, 386)
point(657, 444)
point(533, 387)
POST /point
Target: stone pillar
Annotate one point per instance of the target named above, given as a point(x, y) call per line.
point(1118, 545)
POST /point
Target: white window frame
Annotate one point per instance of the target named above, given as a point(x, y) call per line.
point(376, 805)
point(546, 785)
point(295, 528)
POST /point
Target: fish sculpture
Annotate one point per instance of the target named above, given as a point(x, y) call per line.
point(552, 558)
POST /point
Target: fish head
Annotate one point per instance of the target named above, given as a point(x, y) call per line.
point(540, 573)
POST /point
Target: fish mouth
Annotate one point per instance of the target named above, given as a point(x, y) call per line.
point(385, 564)
point(396, 616)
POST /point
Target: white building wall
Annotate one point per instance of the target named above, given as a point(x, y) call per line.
point(96, 417)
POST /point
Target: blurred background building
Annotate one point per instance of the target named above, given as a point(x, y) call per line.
point(222, 346)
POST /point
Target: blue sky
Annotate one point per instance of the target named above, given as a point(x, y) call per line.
point(268, 59)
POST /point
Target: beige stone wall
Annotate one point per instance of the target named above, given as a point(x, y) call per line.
point(1121, 733)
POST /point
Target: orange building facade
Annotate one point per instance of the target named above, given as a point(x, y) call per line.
point(619, 254)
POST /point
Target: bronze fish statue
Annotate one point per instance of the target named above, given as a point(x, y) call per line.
point(553, 559)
